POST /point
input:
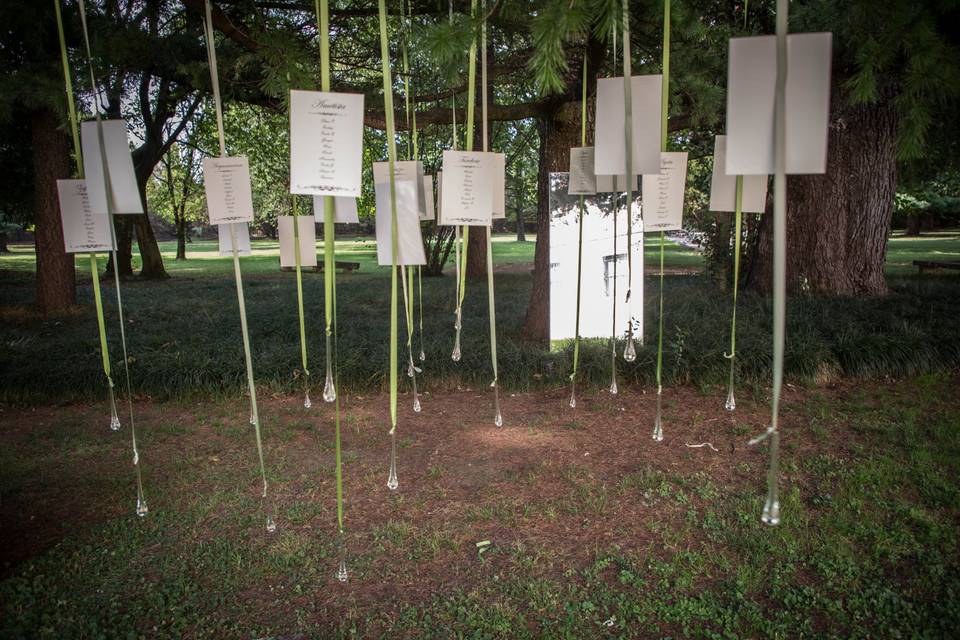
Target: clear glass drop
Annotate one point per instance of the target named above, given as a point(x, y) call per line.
point(573, 399)
point(307, 403)
point(658, 423)
point(498, 420)
point(329, 390)
point(630, 351)
point(271, 525)
point(410, 368)
point(423, 356)
point(731, 402)
point(416, 404)
point(613, 387)
point(456, 351)
point(392, 482)
point(114, 418)
point(342, 571)
point(136, 457)
point(771, 511)
point(253, 418)
point(142, 509)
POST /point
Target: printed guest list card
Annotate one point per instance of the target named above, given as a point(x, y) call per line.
point(723, 188)
point(610, 136)
point(123, 181)
point(83, 230)
point(663, 193)
point(326, 143)
point(225, 238)
point(468, 185)
point(583, 181)
point(226, 182)
point(429, 214)
point(407, 171)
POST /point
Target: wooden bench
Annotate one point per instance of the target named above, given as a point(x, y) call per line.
point(340, 264)
point(927, 265)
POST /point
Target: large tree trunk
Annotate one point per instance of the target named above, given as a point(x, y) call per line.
point(477, 254)
point(151, 260)
point(182, 237)
point(56, 287)
point(838, 223)
point(557, 135)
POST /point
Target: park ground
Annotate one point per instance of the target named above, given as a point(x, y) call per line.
point(594, 529)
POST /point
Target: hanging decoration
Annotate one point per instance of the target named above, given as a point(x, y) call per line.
point(212, 169)
point(583, 143)
point(108, 208)
point(94, 269)
point(629, 350)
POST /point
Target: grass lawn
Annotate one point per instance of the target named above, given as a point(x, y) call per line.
point(594, 529)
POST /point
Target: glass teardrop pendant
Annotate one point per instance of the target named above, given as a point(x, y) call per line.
point(342, 571)
point(329, 390)
point(456, 351)
point(114, 418)
point(392, 482)
point(658, 422)
point(271, 525)
point(416, 404)
point(142, 509)
point(613, 387)
point(423, 356)
point(630, 351)
point(731, 402)
point(771, 511)
point(307, 403)
point(573, 397)
point(253, 418)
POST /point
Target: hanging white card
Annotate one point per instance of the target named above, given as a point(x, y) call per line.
point(723, 188)
point(326, 143)
point(467, 197)
point(751, 89)
point(406, 170)
point(583, 181)
point(499, 186)
point(344, 209)
point(663, 193)
point(307, 230)
point(440, 197)
point(226, 182)
point(610, 137)
point(224, 238)
point(409, 242)
point(429, 214)
point(123, 180)
point(83, 230)
point(607, 184)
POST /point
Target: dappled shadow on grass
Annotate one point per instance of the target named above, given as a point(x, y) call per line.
point(593, 527)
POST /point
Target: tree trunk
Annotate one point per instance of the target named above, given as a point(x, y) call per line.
point(124, 257)
point(477, 254)
point(182, 237)
point(913, 224)
point(3, 241)
point(557, 135)
point(838, 223)
point(151, 267)
point(56, 286)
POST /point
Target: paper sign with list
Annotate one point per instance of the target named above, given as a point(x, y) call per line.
point(499, 186)
point(326, 143)
point(583, 181)
point(226, 182)
point(225, 238)
point(83, 230)
point(429, 214)
point(123, 181)
point(344, 209)
point(663, 193)
point(468, 185)
point(407, 171)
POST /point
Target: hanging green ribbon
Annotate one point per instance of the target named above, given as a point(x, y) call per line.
point(664, 115)
point(238, 277)
point(628, 156)
point(108, 194)
point(737, 234)
point(471, 100)
point(94, 268)
point(583, 143)
point(298, 261)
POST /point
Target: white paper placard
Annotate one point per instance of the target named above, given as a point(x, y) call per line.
point(663, 193)
point(723, 188)
point(469, 184)
point(607, 184)
point(344, 209)
point(409, 242)
point(751, 89)
point(326, 143)
point(610, 137)
point(307, 229)
point(406, 170)
point(430, 214)
point(440, 197)
point(243, 238)
point(583, 181)
point(499, 186)
point(226, 182)
point(123, 180)
point(83, 230)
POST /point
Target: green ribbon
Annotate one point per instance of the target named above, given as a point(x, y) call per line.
point(108, 194)
point(238, 277)
point(664, 115)
point(737, 233)
point(471, 99)
point(583, 143)
point(303, 329)
point(94, 268)
point(628, 156)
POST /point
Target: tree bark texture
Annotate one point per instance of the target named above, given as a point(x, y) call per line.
point(838, 222)
point(56, 287)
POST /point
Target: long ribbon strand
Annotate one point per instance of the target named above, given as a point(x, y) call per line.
point(142, 509)
point(238, 277)
point(616, 204)
point(731, 403)
point(94, 268)
point(629, 352)
point(664, 116)
point(307, 403)
point(583, 143)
